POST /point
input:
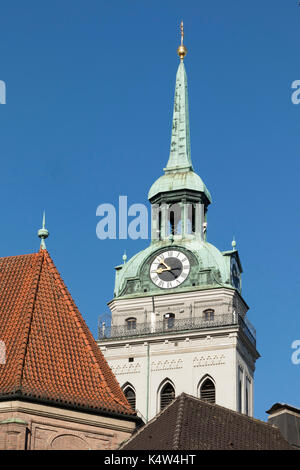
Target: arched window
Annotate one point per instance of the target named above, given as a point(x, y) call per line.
point(169, 320)
point(167, 394)
point(191, 219)
point(208, 391)
point(174, 217)
point(130, 395)
point(209, 314)
point(240, 396)
point(247, 399)
point(240, 389)
point(159, 225)
point(172, 222)
point(130, 323)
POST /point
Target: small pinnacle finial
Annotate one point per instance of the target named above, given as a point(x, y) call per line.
point(182, 32)
point(233, 243)
point(124, 257)
point(43, 233)
point(182, 50)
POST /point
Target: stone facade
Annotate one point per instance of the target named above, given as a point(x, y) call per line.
point(32, 426)
point(222, 352)
point(189, 304)
point(184, 359)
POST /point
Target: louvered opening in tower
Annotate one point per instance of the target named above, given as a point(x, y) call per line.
point(130, 395)
point(208, 391)
point(167, 395)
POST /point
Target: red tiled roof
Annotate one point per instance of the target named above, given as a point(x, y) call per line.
point(50, 353)
point(189, 423)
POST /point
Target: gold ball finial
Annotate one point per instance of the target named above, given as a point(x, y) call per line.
point(182, 50)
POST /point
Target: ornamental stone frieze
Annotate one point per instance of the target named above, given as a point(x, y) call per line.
point(166, 365)
point(204, 361)
point(127, 369)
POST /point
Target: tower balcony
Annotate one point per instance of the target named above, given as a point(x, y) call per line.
point(173, 325)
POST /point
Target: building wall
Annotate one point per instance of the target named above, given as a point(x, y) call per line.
point(41, 427)
point(183, 304)
point(183, 359)
point(146, 361)
point(245, 372)
point(288, 421)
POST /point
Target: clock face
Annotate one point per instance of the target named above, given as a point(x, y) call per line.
point(169, 269)
point(235, 274)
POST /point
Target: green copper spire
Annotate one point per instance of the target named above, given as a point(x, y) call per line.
point(179, 173)
point(43, 233)
point(180, 152)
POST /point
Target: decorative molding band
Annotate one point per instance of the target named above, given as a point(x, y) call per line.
point(127, 369)
point(167, 365)
point(204, 361)
point(78, 417)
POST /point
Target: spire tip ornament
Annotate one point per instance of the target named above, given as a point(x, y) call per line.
point(43, 233)
point(233, 244)
point(182, 50)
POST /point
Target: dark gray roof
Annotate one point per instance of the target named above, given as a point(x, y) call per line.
point(283, 406)
point(189, 423)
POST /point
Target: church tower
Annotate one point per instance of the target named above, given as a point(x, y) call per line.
point(178, 319)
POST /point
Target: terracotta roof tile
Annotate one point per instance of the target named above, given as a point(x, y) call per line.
point(50, 353)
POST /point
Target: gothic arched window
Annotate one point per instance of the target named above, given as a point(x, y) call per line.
point(240, 396)
point(208, 391)
point(167, 394)
point(130, 323)
point(130, 395)
point(247, 399)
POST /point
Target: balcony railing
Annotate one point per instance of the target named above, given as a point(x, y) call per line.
point(182, 324)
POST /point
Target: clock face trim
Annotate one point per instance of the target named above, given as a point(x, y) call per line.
point(169, 269)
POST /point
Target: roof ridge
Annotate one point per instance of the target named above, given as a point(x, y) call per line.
point(23, 352)
point(177, 431)
point(84, 331)
point(246, 417)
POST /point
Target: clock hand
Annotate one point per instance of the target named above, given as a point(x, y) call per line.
point(161, 270)
point(162, 262)
point(174, 273)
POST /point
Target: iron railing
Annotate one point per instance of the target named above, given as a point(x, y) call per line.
point(181, 324)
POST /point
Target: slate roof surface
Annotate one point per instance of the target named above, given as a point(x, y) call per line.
point(50, 353)
point(189, 423)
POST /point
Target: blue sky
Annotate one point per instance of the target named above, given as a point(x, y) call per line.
point(90, 89)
